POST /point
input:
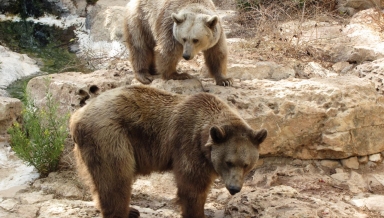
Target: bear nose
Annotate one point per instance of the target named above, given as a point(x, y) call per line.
point(186, 56)
point(233, 189)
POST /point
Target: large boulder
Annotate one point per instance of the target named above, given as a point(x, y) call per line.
point(318, 118)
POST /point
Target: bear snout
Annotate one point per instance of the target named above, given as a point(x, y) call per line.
point(233, 189)
point(187, 57)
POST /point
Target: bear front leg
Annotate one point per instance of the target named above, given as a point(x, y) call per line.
point(141, 47)
point(216, 61)
point(192, 202)
point(192, 192)
point(166, 62)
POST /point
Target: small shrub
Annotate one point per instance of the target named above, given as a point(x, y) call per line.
point(39, 138)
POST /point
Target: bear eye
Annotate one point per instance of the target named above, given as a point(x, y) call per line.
point(246, 166)
point(195, 41)
point(229, 164)
point(184, 39)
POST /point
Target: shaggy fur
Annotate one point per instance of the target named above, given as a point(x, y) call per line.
point(159, 32)
point(137, 130)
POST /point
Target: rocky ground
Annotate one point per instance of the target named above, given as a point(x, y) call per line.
point(316, 86)
point(279, 187)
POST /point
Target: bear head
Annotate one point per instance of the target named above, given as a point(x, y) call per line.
point(196, 32)
point(234, 153)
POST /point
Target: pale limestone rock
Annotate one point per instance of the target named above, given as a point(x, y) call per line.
point(373, 71)
point(259, 70)
point(339, 170)
point(356, 183)
point(106, 22)
point(313, 69)
point(268, 203)
point(365, 40)
point(375, 157)
point(34, 197)
point(373, 202)
point(297, 162)
point(379, 178)
point(342, 67)
point(330, 163)
point(319, 118)
point(9, 204)
point(351, 163)
point(72, 90)
point(57, 184)
point(342, 177)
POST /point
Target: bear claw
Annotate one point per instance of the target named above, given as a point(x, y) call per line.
point(133, 213)
point(225, 82)
point(144, 78)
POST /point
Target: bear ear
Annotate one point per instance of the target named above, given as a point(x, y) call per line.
point(258, 136)
point(212, 21)
point(178, 19)
point(218, 134)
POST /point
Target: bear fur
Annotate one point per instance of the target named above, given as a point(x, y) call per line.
point(136, 130)
point(159, 32)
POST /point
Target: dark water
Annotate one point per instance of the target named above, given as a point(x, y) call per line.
point(49, 45)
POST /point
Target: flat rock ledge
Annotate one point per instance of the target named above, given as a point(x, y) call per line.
point(317, 118)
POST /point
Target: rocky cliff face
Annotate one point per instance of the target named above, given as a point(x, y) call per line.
point(323, 110)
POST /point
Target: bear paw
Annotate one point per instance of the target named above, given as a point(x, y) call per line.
point(181, 76)
point(144, 77)
point(133, 213)
point(224, 82)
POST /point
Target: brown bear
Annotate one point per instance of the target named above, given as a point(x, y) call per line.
point(159, 32)
point(136, 130)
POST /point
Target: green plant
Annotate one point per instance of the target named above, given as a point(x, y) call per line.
point(39, 138)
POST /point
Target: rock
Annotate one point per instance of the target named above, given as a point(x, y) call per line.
point(67, 208)
point(295, 112)
point(327, 40)
point(375, 157)
point(373, 71)
point(313, 69)
point(363, 159)
point(286, 201)
point(297, 162)
point(72, 90)
point(9, 204)
point(356, 183)
point(342, 67)
point(259, 70)
point(10, 111)
point(351, 163)
point(14, 66)
point(332, 164)
point(339, 170)
point(359, 4)
point(57, 184)
point(34, 197)
point(342, 177)
point(373, 202)
point(106, 23)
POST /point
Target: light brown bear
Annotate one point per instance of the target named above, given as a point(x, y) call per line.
point(136, 130)
point(159, 32)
